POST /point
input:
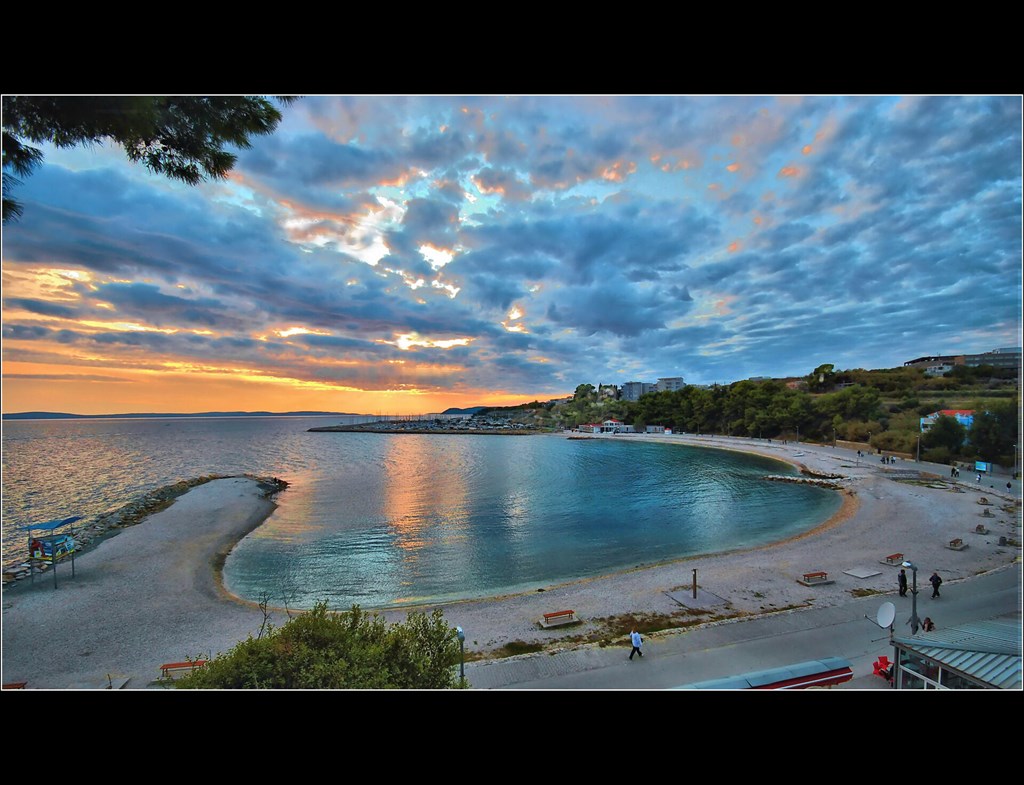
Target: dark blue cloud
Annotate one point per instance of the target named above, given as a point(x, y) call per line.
point(869, 229)
point(42, 307)
point(148, 302)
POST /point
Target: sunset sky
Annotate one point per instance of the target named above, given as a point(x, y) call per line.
point(404, 254)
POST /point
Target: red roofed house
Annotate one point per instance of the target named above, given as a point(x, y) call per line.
point(963, 416)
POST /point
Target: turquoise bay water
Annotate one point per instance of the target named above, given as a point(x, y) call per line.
point(390, 520)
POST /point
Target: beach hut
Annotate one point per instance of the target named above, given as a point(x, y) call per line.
point(46, 546)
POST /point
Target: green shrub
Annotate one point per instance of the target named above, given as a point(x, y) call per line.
point(351, 650)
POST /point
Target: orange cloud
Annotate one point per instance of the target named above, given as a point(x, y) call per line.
point(733, 246)
point(400, 179)
point(789, 171)
point(807, 149)
point(483, 188)
point(615, 172)
point(733, 167)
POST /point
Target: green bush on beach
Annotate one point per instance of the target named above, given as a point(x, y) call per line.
point(350, 650)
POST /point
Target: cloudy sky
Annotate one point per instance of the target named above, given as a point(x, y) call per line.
point(405, 254)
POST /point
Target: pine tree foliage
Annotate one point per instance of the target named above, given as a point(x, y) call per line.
point(182, 137)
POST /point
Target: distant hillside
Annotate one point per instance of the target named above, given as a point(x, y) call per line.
point(66, 416)
point(469, 410)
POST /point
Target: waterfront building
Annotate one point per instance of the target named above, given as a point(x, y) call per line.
point(616, 426)
point(977, 655)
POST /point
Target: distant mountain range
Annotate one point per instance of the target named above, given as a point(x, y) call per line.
point(67, 416)
point(470, 410)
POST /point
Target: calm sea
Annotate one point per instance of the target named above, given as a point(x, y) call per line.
point(388, 520)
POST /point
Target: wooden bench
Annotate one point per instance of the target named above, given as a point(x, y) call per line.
point(894, 558)
point(816, 578)
point(957, 544)
point(168, 669)
point(980, 529)
point(15, 685)
point(559, 617)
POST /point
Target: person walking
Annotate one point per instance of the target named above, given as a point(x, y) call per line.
point(637, 641)
point(936, 582)
point(902, 579)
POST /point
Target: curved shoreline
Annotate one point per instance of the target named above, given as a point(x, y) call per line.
point(147, 596)
point(744, 582)
point(91, 534)
point(153, 594)
point(847, 508)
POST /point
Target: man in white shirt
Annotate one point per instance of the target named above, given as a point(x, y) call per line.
point(634, 636)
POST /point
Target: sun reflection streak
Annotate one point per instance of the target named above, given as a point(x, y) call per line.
point(422, 476)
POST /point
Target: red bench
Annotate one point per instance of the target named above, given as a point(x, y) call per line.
point(559, 617)
point(815, 576)
point(169, 668)
point(894, 558)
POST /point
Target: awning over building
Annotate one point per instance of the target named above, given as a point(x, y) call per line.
point(988, 651)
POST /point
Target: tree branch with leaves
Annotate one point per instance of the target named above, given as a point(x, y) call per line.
point(181, 137)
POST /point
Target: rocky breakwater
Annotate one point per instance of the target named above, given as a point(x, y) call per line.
point(88, 534)
point(833, 481)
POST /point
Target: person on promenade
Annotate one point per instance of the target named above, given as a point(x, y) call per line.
point(637, 641)
point(902, 579)
point(936, 582)
point(927, 625)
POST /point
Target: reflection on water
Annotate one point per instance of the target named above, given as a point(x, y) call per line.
point(410, 518)
point(385, 520)
point(425, 496)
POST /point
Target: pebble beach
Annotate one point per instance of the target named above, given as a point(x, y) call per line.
point(152, 594)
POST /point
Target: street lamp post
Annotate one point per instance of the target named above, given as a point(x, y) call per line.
point(914, 622)
point(462, 645)
point(919, 448)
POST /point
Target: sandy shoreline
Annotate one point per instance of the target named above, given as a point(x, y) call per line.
point(153, 593)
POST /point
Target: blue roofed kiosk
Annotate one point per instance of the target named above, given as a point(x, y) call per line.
point(48, 547)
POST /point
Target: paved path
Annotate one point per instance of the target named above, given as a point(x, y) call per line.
point(732, 648)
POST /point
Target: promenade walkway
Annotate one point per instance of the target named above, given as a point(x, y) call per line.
point(731, 648)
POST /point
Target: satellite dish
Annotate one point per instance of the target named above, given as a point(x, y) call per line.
point(886, 615)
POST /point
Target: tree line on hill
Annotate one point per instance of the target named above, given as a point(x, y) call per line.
point(879, 407)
